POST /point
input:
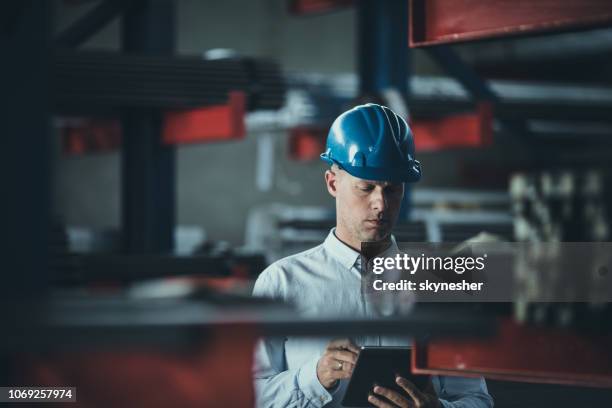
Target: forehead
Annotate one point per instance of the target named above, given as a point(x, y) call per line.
point(357, 180)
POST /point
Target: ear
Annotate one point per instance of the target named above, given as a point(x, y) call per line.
point(331, 180)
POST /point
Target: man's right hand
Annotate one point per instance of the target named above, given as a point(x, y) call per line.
point(337, 362)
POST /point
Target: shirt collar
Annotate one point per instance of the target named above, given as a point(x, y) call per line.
point(347, 255)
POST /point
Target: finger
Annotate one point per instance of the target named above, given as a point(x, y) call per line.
point(377, 402)
point(410, 388)
point(344, 356)
point(339, 374)
point(392, 396)
point(352, 347)
point(333, 363)
point(338, 367)
point(347, 368)
point(343, 344)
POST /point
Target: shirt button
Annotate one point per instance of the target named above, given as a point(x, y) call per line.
point(322, 398)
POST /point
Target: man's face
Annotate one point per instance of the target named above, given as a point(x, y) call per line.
point(366, 209)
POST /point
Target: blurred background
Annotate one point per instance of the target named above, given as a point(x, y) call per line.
point(160, 149)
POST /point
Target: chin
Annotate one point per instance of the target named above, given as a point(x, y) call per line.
point(373, 236)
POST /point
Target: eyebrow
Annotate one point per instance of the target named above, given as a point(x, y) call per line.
point(379, 183)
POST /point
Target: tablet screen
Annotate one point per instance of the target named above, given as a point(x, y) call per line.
point(380, 365)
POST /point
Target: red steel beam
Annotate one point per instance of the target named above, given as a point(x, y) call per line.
point(207, 124)
point(522, 353)
point(465, 130)
point(306, 7)
point(448, 21)
point(307, 142)
point(86, 135)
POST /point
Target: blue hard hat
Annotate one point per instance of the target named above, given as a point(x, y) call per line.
point(372, 142)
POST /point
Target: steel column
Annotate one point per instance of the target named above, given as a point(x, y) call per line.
point(24, 43)
point(25, 167)
point(148, 165)
point(383, 55)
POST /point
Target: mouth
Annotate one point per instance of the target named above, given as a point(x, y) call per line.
point(377, 223)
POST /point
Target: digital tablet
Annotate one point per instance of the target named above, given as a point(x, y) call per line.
point(380, 365)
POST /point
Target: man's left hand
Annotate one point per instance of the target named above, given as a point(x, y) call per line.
point(414, 398)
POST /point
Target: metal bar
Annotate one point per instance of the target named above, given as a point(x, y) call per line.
point(120, 269)
point(97, 81)
point(120, 321)
point(581, 45)
point(433, 196)
point(463, 216)
point(148, 166)
point(446, 94)
point(91, 23)
point(449, 21)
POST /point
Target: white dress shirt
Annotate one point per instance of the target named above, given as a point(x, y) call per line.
point(326, 280)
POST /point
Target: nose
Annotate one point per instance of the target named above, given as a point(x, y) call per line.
point(379, 200)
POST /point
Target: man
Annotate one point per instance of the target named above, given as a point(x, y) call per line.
point(371, 153)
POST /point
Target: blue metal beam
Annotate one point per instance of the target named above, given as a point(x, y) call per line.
point(148, 165)
point(384, 56)
point(383, 53)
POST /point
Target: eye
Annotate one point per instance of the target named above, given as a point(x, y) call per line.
point(368, 187)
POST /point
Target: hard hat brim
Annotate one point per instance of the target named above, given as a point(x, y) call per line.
point(410, 173)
